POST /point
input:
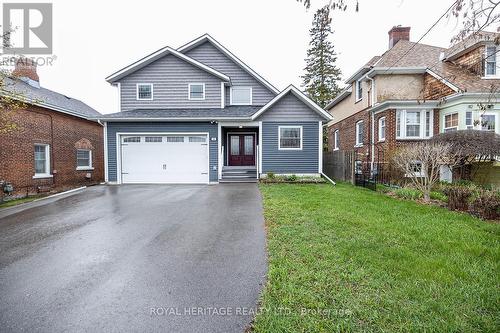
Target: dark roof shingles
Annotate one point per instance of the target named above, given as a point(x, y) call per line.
point(230, 111)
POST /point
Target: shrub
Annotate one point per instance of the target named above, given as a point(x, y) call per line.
point(458, 196)
point(435, 195)
point(408, 193)
point(292, 178)
point(486, 205)
point(271, 175)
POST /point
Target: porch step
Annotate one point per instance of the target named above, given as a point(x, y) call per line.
point(239, 174)
point(238, 180)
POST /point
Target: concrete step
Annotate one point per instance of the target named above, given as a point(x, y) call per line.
point(238, 176)
point(238, 180)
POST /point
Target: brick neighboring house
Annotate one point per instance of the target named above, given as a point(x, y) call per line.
point(414, 91)
point(54, 146)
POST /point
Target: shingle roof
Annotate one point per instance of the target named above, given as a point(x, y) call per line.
point(227, 112)
point(422, 55)
point(48, 98)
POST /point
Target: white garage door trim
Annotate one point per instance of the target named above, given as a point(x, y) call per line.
point(119, 150)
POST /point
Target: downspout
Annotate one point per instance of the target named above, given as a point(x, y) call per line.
point(372, 136)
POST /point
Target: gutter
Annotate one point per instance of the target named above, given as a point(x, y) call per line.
point(372, 134)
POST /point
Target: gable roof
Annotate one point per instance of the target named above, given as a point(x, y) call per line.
point(157, 55)
point(340, 97)
point(207, 38)
point(46, 98)
point(300, 95)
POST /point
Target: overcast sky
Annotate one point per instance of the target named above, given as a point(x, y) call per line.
point(92, 39)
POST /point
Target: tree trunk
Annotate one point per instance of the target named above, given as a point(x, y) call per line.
point(427, 196)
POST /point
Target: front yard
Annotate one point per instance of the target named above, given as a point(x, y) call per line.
point(348, 259)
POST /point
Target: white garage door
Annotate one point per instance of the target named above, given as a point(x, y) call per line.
point(164, 158)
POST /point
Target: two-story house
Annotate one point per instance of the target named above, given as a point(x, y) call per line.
point(198, 114)
point(414, 91)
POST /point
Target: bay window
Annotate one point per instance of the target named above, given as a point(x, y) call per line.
point(414, 124)
point(469, 122)
point(488, 122)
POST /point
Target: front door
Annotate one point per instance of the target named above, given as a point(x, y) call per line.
point(241, 149)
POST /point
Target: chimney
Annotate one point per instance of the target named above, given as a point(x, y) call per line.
point(398, 33)
point(25, 70)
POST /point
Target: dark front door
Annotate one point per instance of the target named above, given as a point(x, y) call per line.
point(241, 149)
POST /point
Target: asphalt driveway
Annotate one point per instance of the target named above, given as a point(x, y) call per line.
point(139, 258)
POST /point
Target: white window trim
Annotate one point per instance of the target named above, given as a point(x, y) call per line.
point(137, 91)
point(416, 174)
point(497, 60)
point(494, 114)
point(47, 162)
point(90, 167)
point(380, 138)
point(358, 97)
point(336, 138)
point(279, 137)
point(422, 135)
point(472, 119)
point(455, 127)
point(358, 144)
point(237, 87)
point(189, 91)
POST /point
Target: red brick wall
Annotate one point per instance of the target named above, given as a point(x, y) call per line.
point(472, 60)
point(64, 133)
point(347, 132)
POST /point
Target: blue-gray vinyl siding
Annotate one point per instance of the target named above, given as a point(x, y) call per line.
point(209, 55)
point(290, 161)
point(170, 77)
point(160, 127)
point(290, 108)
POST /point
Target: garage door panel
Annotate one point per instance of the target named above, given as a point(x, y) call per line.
point(176, 159)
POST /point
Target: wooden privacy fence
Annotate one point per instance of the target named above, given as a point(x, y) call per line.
point(339, 165)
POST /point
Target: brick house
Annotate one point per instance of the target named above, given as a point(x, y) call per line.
point(414, 91)
point(54, 145)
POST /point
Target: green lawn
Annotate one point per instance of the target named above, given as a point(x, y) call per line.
point(370, 262)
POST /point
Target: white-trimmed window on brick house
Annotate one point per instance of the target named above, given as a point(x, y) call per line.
point(196, 91)
point(359, 133)
point(240, 96)
point(490, 61)
point(359, 90)
point(144, 91)
point(42, 161)
point(84, 159)
point(451, 122)
point(415, 169)
point(381, 129)
point(290, 137)
point(414, 124)
point(336, 140)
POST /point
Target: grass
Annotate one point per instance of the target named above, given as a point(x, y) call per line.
point(347, 259)
point(16, 202)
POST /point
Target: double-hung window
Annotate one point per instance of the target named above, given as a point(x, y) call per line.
point(359, 133)
point(240, 96)
point(359, 90)
point(381, 129)
point(469, 121)
point(336, 140)
point(490, 61)
point(414, 124)
point(196, 91)
point(290, 137)
point(83, 159)
point(451, 122)
point(144, 91)
point(42, 161)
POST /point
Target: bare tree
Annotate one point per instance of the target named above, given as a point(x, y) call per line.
point(421, 162)
point(476, 15)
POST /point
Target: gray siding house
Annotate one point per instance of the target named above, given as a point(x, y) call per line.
point(198, 114)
